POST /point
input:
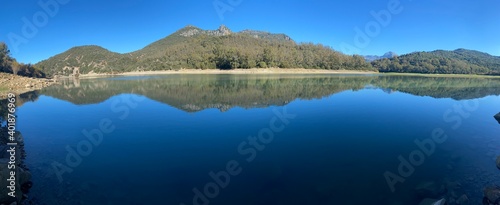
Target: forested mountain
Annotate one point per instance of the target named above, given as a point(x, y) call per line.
point(192, 47)
point(460, 61)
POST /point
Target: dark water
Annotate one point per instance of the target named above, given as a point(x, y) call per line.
point(277, 139)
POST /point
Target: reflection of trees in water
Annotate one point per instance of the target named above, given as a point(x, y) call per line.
point(192, 93)
point(23, 176)
point(72, 82)
point(198, 92)
point(442, 87)
point(20, 100)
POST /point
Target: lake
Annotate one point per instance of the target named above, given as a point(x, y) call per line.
point(261, 139)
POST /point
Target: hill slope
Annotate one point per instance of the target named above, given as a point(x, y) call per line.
point(85, 59)
point(192, 47)
point(460, 61)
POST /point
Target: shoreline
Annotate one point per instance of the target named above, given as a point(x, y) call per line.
point(442, 75)
point(234, 71)
point(271, 71)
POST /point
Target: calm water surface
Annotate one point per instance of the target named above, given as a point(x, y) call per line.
point(263, 139)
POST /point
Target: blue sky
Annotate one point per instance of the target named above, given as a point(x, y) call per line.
point(128, 25)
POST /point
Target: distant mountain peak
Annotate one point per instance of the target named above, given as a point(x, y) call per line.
point(371, 58)
point(390, 54)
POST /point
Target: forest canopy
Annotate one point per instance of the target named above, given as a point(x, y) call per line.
point(460, 61)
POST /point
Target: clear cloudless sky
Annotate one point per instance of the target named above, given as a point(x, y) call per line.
point(128, 25)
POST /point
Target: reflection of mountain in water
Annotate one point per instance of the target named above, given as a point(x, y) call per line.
point(193, 93)
point(441, 87)
point(198, 92)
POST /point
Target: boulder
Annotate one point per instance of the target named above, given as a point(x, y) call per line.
point(463, 200)
point(3, 151)
point(433, 202)
point(492, 195)
point(430, 190)
point(24, 176)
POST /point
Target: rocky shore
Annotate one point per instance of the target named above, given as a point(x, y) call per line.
point(17, 194)
point(10, 83)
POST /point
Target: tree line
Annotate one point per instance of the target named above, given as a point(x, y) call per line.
point(243, 51)
point(8, 64)
point(460, 61)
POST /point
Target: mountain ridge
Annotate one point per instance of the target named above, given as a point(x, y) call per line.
point(192, 47)
point(195, 48)
point(371, 58)
point(458, 61)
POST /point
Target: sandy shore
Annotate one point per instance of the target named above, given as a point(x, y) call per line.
point(235, 71)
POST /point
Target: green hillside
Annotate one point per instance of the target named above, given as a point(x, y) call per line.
point(85, 58)
point(460, 61)
point(192, 47)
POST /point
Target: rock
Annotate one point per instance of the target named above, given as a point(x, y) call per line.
point(224, 31)
point(452, 185)
point(486, 201)
point(24, 176)
point(498, 162)
point(497, 117)
point(428, 201)
point(492, 195)
point(3, 151)
point(430, 190)
point(463, 200)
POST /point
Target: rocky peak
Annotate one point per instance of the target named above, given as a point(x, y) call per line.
point(224, 30)
point(189, 30)
point(192, 31)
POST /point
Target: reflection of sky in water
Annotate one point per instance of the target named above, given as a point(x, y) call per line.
point(336, 149)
